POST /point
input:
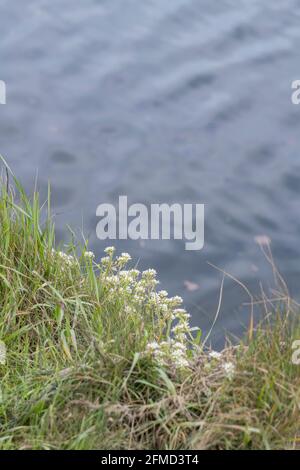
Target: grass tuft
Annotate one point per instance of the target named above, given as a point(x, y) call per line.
point(93, 356)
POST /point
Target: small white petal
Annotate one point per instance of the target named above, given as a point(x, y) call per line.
point(2, 353)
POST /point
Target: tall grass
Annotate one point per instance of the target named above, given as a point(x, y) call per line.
point(92, 356)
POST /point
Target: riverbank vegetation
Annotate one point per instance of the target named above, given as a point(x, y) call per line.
point(94, 356)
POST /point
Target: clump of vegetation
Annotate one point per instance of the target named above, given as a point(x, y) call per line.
point(94, 356)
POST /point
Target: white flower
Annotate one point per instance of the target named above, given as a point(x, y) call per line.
point(109, 250)
point(152, 346)
point(105, 260)
point(125, 256)
point(68, 259)
point(215, 355)
point(124, 274)
point(149, 273)
point(179, 358)
point(2, 353)
point(123, 259)
point(180, 346)
point(229, 369)
point(176, 300)
point(112, 280)
point(181, 327)
point(181, 337)
point(180, 312)
point(163, 294)
point(89, 255)
point(167, 351)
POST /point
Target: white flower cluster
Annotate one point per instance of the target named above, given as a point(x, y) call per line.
point(229, 369)
point(68, 260)
point(89, 255)
point(137, 291)
point(115, 277)
point(168, 352)
point(215, 355)
point(174, 350)
point(149, 274)
point(110, 250)
point(2, 353)
point(123, 259)
point(118, 263)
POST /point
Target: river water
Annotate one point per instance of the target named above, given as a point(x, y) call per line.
point(164, 101)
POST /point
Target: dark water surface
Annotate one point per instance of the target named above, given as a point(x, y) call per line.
point(165, 101)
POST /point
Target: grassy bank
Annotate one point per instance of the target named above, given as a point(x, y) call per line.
point(94, 356)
